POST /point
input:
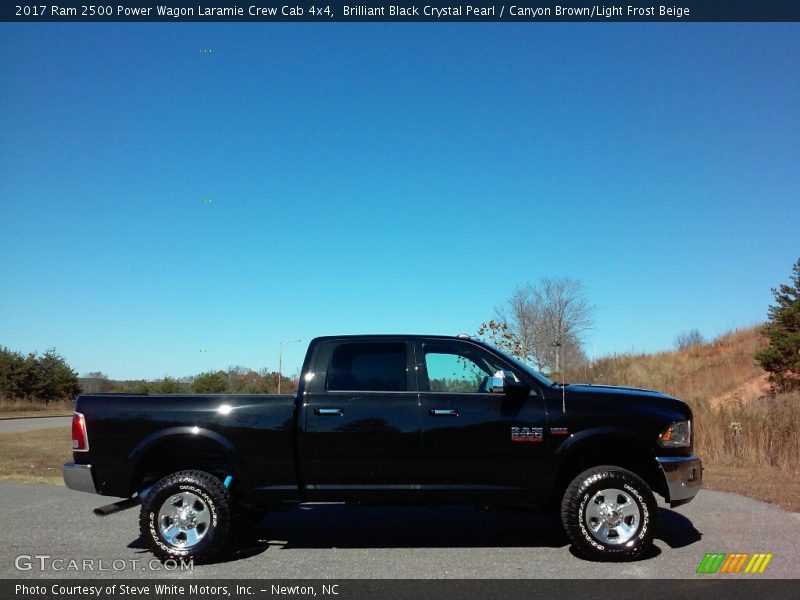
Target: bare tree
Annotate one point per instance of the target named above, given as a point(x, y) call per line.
point(687, 339)
point(566, 317)
point(521, 320)
point(549, 322)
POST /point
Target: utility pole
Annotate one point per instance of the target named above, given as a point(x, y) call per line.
point(280, 362)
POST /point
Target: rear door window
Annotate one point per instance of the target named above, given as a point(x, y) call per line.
point(368, 367)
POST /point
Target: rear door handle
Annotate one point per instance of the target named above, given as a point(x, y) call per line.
point(334, 412)
point(443, 412)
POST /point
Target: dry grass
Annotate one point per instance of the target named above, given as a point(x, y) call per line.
point(35, 456)
point(764, 433)
point(753, 448)
point(695, 374)
point(28, 408)
point(769, 485)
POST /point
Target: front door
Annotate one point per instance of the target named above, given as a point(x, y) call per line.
point(474, 439)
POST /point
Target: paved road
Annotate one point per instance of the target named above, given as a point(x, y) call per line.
point(15, 425)
point(332, 541)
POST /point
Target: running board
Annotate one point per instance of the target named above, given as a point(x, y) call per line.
point(110, 509)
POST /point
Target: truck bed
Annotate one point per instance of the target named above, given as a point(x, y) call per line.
point(130, 431)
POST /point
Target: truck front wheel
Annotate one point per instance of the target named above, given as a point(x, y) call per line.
point(186, 516)
point(609, 513)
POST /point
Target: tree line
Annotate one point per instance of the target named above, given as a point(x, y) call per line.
point(40, 378)
point(48, 378)
point(234, 380)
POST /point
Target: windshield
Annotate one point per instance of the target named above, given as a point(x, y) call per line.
point(517, 362)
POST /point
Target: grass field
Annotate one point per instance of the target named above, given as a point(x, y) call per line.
point(37, 457)
point(22, 408)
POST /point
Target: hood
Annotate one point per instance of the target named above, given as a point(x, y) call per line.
point(592, 388)
point(625, 397)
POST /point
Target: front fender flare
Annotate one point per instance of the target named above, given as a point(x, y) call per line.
point(573, 444)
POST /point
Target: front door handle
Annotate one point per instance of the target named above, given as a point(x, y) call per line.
point(331, 412)
point(443, 412)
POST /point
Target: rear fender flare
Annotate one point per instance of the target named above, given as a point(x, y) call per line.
point(189, 435)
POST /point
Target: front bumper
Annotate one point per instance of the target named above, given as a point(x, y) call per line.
point(79, 477)
point(683, 476)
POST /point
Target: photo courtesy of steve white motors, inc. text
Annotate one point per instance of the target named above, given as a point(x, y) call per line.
point(172, 589)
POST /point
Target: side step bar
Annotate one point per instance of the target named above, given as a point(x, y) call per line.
point(110, 509)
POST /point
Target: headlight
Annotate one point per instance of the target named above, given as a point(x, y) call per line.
point(677, 435)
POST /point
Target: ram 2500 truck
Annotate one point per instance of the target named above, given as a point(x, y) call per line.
point(394, 419)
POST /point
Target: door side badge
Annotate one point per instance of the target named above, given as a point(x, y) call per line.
point(526, 434)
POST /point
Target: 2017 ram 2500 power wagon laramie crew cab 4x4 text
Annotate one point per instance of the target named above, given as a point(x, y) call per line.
point(391, 419)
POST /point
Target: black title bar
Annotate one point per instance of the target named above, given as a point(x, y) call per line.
point(403, 589)
point(525, 11)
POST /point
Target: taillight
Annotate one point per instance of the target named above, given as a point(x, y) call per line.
point(80, 441)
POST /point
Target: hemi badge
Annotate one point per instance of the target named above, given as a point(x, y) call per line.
point(559, 431)
point(526, 434)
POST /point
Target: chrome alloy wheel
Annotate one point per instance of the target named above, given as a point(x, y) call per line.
point(612, 516)
point(184, 520)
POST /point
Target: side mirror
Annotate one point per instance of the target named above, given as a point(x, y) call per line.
point(496, 385)
point(504, 382)
point(517, 389)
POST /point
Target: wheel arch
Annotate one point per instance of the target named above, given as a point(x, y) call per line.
point(183, 448)
point(603, 446)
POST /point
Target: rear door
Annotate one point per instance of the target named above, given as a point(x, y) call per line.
point(362, 418)
point(475, 440)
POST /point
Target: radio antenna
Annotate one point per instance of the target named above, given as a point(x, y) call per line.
point(561, 374)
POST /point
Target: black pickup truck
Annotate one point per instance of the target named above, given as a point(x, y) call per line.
point(395, 419)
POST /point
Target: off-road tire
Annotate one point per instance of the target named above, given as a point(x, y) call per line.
point(214, 498)
point(589, 487)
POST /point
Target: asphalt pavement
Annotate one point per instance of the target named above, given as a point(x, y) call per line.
point(334, 541)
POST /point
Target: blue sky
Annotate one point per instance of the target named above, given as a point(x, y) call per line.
point(301, 180)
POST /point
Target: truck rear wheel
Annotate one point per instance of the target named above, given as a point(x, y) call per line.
point(186, 516)
point(609, 513)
